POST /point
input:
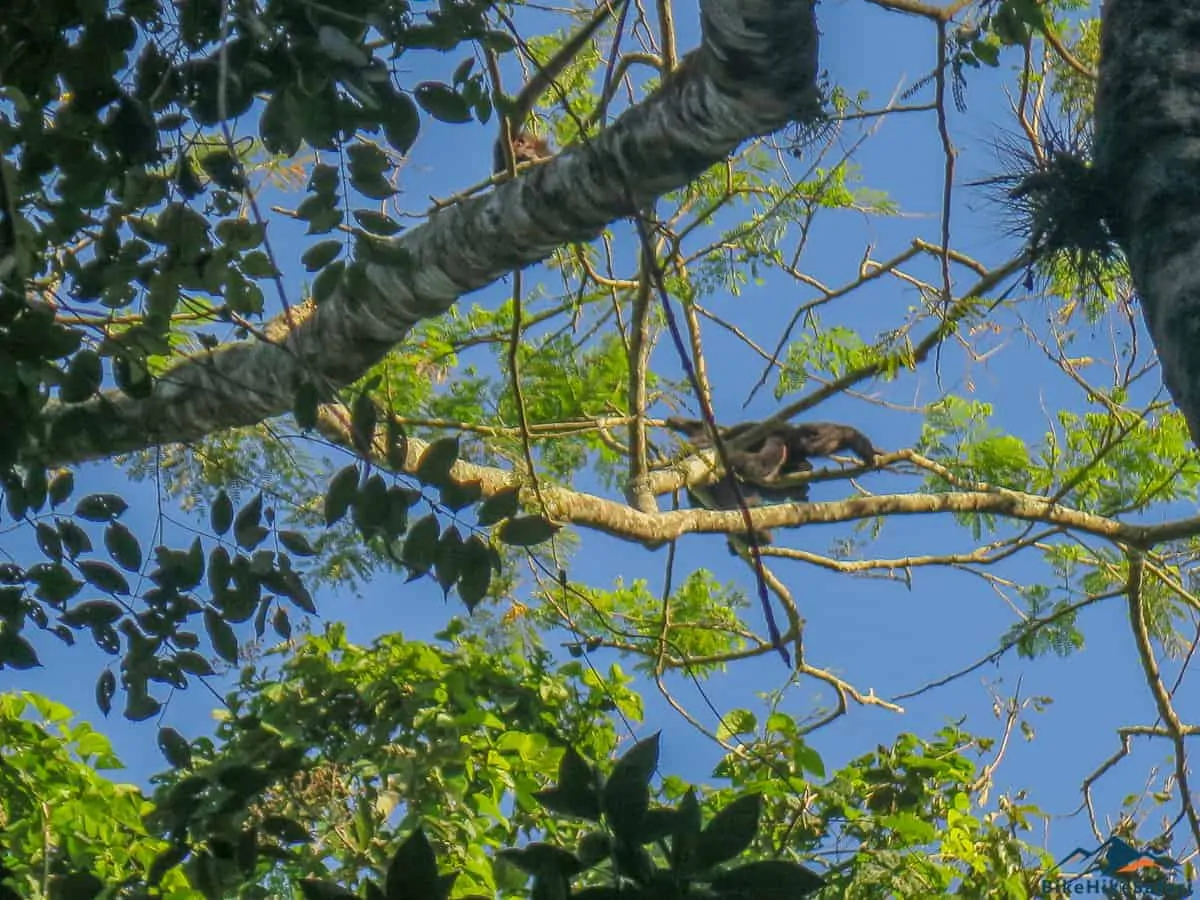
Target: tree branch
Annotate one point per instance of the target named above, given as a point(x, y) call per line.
point(755, 71)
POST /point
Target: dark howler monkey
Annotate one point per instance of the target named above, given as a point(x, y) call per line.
point(527, 146)
point(784, 450)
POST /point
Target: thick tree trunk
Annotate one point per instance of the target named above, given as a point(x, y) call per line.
point(1148, 150)
point(755, 72)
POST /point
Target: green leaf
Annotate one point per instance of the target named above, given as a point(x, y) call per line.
point(343, 489)
point(106, 688)
point(74, 538)
point(308, 399)
point(475, 572)
point(49, 541)
point(401, 122)
point(324, 179)
point(101, 507)
point(594, 848)
point(314, 889)
point(372, 507)
point(55, 585)
point(437, 461)
point(241, 234)
point(260, 617)
point(543, 859)
point(735, 722)
point(808, 759)
point(224, 641)
point(286, 583)
point(296, 543)
point(577, 792)
point(257, 264)
point(132, 375)
point(316, 206)
point(92, 613)
point(634, 862)
point(281, 624)
point(420, 547)
point(221, 515)
point(626, 796)
point(83, 378)
point(140, 706)
point(397, 446)
point(279, 131)
point(76, 886)
point(456, 497)
point(61, 487)
point(123, 547)
point(35, 487)
point(193, 663)
point(398, 501)
point(289, 831)
point(175, 748)
point(772, 879)
point(181, 569)
point(657, 825)
point(15, 501)
point(376, 222)
point(447, 558)
point(16, 652)
point(526, 531)
point(248, 530)
point(338, 46)
point(322, 289)
point(367, 159)
point(498, 41)
point(374, 186)
point(731, 831)
point(321, 254)
point(103, 576)
point(224, 169)
point(364, 416)
point(244, 780)
point(463, 70)
point(166, 861)
point(685, 839)
point(247, 852)
point(133, 130)
point(412, 874)
point(442, 102)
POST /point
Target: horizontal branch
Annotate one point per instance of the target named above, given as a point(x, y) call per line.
point(615, 518)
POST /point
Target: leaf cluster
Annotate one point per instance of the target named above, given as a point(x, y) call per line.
point(694, 854)
point(122, 193)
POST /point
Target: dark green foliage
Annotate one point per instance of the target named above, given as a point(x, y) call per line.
point(437, 460)
point(527, 531)
point(577, 792)
point(694, 854)
point(115, 147)
point(692, 859)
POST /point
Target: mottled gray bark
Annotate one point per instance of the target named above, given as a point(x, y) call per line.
point(755, 72)
point(1148, 150)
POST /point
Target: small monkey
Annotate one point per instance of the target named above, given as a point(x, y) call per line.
point(529, 147)
point(526, 146)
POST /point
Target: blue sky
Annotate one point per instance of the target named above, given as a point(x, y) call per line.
point(877, 635)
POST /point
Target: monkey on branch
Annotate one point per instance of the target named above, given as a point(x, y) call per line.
point(526, 145)
point(759, 467)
